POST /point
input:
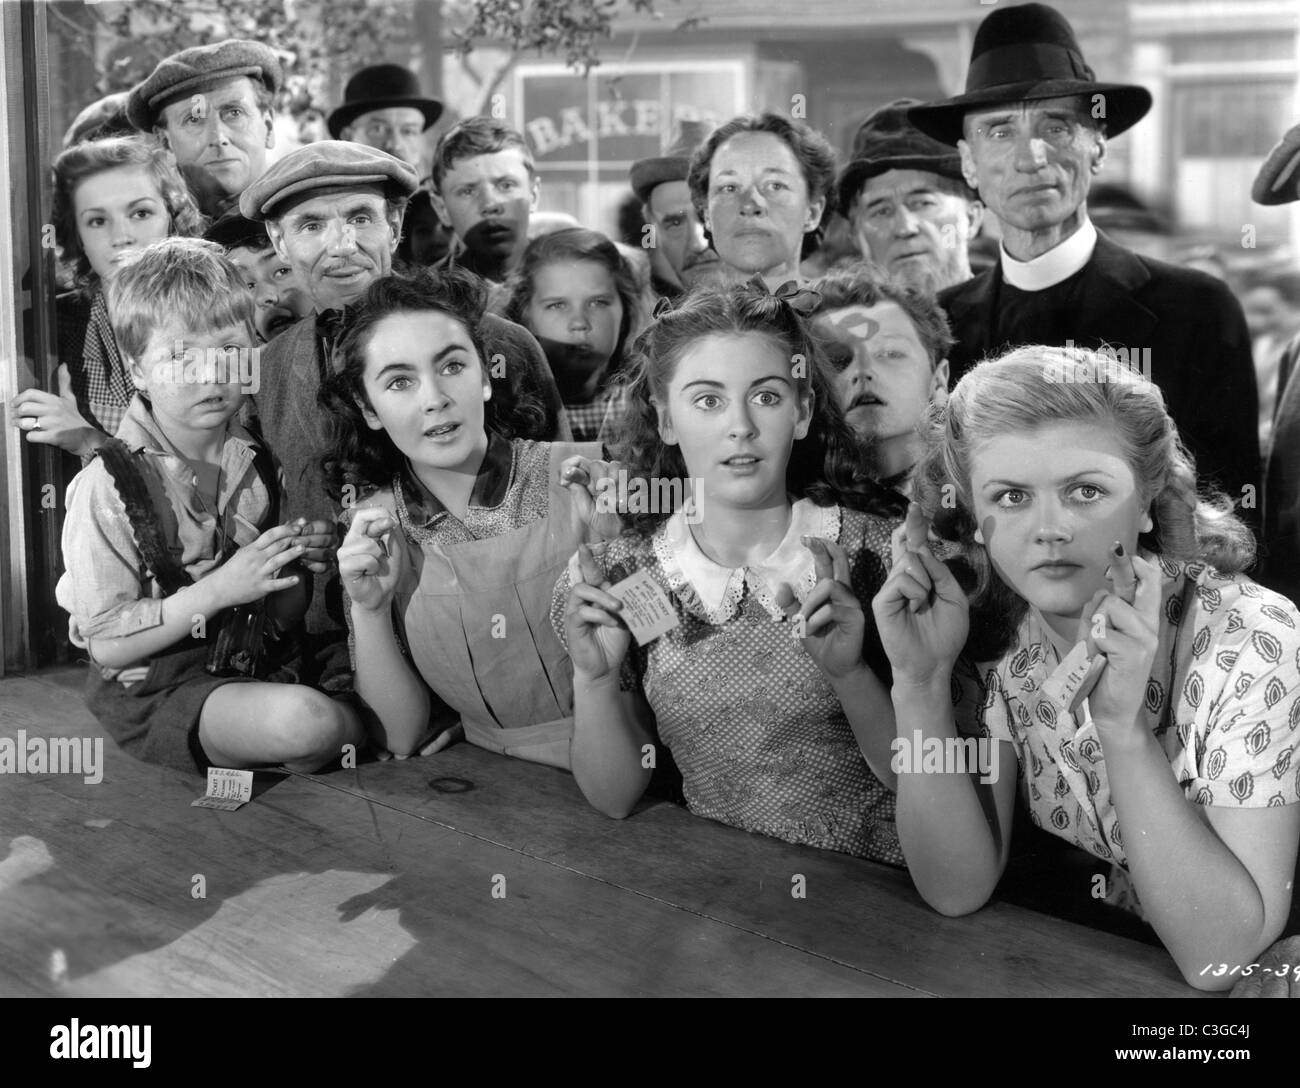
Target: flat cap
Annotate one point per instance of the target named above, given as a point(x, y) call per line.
point(886, 141)
point(193, 70)
point(326, 164)
point(1278, 180)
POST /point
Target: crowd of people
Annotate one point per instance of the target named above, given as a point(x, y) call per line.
point(383, 463)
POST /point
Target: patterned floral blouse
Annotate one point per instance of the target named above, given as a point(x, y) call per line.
point(1223, 699)
point(752, 722)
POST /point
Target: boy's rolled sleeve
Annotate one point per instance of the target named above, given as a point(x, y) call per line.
point(103, 587)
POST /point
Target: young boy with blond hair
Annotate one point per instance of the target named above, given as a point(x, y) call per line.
point(181, 584)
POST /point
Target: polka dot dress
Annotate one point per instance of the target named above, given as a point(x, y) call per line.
point(752, 722)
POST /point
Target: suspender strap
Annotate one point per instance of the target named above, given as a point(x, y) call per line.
point(127, 473)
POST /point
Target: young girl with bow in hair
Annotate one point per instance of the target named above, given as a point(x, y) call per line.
point(769, 687)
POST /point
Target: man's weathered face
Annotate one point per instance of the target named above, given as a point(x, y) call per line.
point(220, 137)
point(912, 224)
point(486, 201)
point(396, 131)
point(338, 242)
point(679, 234)
point(1032, 162)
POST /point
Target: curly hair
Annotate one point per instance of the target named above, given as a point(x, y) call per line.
point(577, 244)
point(364, 459)
point(1036, 386)
point(812, 149)
point(825, 467)
point(863, 286)
point(85, 160)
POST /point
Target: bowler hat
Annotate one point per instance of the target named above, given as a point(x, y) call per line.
point(886, 140)
point(1278, 180)
point(382, 87)
point(1028, 53)
point(326, 164)
point(673, 165)
point(200, 68)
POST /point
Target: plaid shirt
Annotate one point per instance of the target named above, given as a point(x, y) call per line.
point(598, 419)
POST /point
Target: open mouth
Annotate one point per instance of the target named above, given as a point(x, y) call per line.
point(869, 401)
point(741, 460)
point(442, 431)
point(280, 320)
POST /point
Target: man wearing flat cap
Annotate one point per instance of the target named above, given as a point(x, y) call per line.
point(1032, 130)
point(212, 106)
point(660, 184)
point(913, 215)
point(333, 210)
point(1278, 182)
point(384, 109)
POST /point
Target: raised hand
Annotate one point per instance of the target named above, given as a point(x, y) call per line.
point(832, 616)
point(594, 486)
point(921, 612)
point(372, 558)
point(1125, 631)
point(598, 641)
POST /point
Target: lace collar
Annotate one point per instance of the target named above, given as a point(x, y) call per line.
point(714, 592)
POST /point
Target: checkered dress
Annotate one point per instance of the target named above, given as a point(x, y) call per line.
point(598, 419)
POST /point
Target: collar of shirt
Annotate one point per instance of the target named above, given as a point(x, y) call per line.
point(1056, 265)
point(140, 431)
point(491, 485)
point(720, 588)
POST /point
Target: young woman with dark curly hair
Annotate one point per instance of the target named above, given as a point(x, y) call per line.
point(459, 526)
point(776, 714)
point(112, 198)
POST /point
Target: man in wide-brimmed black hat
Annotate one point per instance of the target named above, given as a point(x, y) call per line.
point(913, 214)
point(1031, 129)
point(1278, 182)
point(660, 183)
point(384, 108)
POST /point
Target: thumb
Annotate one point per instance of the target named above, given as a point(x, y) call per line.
point(64, 377)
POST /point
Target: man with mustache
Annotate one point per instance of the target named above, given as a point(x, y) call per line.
point(485, 187)
point(333, 210)
point(660, 184)
point(913, 215)
point(887, 347)
point(211, 105)
point(1032, 130)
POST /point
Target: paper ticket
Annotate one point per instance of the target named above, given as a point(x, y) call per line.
point(227, 789)
point(647, 609)
point(1074, 678)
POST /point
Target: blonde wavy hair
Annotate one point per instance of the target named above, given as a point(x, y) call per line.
point(1037, 386)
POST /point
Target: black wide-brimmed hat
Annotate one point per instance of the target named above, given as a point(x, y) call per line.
point(382, 87)
point(1025, 54)
point(673, 165)
point(1278, 180)
point(885, 141)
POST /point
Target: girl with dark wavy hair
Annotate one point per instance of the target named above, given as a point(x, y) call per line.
point(459, 526)
point(1147, 691)
point(574, 292)
point(112, 198)
point(768, 689)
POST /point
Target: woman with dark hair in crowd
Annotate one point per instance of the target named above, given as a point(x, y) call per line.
point(778, 720)
point(1147, 691)
point(576, 293)
point(760, 185)
point(112, 198)
point(459, 526)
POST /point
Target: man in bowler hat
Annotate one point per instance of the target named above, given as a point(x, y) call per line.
point(1032, 129)
point(913, 215)
point(660, 184)
point(211, 105)
point(383, 108)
